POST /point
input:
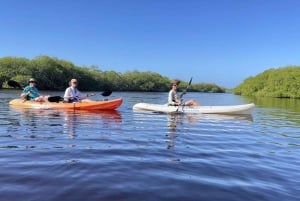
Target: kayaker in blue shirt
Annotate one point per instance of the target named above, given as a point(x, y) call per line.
point(31, 92)
point(72, 94)
point(173, 97)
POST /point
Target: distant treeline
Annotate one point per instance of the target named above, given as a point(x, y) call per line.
point(279, 83)
point(54, 74)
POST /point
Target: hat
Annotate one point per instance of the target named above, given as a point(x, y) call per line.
point(177, 82)
point(32, 80)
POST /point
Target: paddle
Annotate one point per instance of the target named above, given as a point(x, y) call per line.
point(184, 92)
point(14, 84)
point(106, 92)
point(55, 98)
point(59, 98)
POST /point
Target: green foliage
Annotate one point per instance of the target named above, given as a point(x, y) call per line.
point(12, 66)
point(54, 74)
point(145, 81)
point(207, 87)
point(279, 83)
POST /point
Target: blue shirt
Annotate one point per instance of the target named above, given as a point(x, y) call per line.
point(34, 92)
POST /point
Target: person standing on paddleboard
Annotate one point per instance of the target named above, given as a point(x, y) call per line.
point(72, 94)
point(173, 97)
point(31, 92)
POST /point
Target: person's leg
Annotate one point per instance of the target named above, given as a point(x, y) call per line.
point(86, 100)
point(192, 102)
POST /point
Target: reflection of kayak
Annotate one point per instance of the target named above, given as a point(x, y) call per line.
point(228, 109)
point(105, 114)
point(93, 105)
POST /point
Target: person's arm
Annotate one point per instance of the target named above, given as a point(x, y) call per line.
point(67, 94)
point(170, 101)
point(26, 91)
point(34, 92)
point(80, 95)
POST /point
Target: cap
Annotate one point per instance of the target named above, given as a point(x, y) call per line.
point(175, 82)
point(32, 80)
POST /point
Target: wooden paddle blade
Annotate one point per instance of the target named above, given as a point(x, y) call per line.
point(14, 84)
point(106, 92)
point(55, 99)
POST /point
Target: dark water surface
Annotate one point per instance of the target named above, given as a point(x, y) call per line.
point(124, 155)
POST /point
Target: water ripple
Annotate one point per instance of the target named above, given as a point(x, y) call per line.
point(124, 155)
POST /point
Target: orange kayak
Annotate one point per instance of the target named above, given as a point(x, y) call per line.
point(93, 105)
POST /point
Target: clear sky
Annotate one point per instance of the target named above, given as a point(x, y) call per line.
point(214, 41)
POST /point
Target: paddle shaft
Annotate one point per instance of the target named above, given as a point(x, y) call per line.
point(184, 92)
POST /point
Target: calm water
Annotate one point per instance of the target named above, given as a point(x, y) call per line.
point(124, 155)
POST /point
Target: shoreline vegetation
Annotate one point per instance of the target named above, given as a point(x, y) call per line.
point(276, 83)
point(54, 74)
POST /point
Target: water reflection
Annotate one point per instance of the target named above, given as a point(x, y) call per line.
point(177, 123)
point(31, 120)
point(278, 103)
point(73, 118)
point(27, 123)
point(173, 121)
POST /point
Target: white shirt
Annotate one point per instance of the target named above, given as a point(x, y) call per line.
point(172, 98)
point(72, 93)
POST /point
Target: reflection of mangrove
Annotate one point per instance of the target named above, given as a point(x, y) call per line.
point(280, 103)
point(281, 108)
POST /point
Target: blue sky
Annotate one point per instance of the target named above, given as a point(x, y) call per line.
point(214, 41)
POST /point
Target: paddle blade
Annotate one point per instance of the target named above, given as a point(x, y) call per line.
point(106, 93)
point(55, 99)
point(190, 81)
point(14, 84)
